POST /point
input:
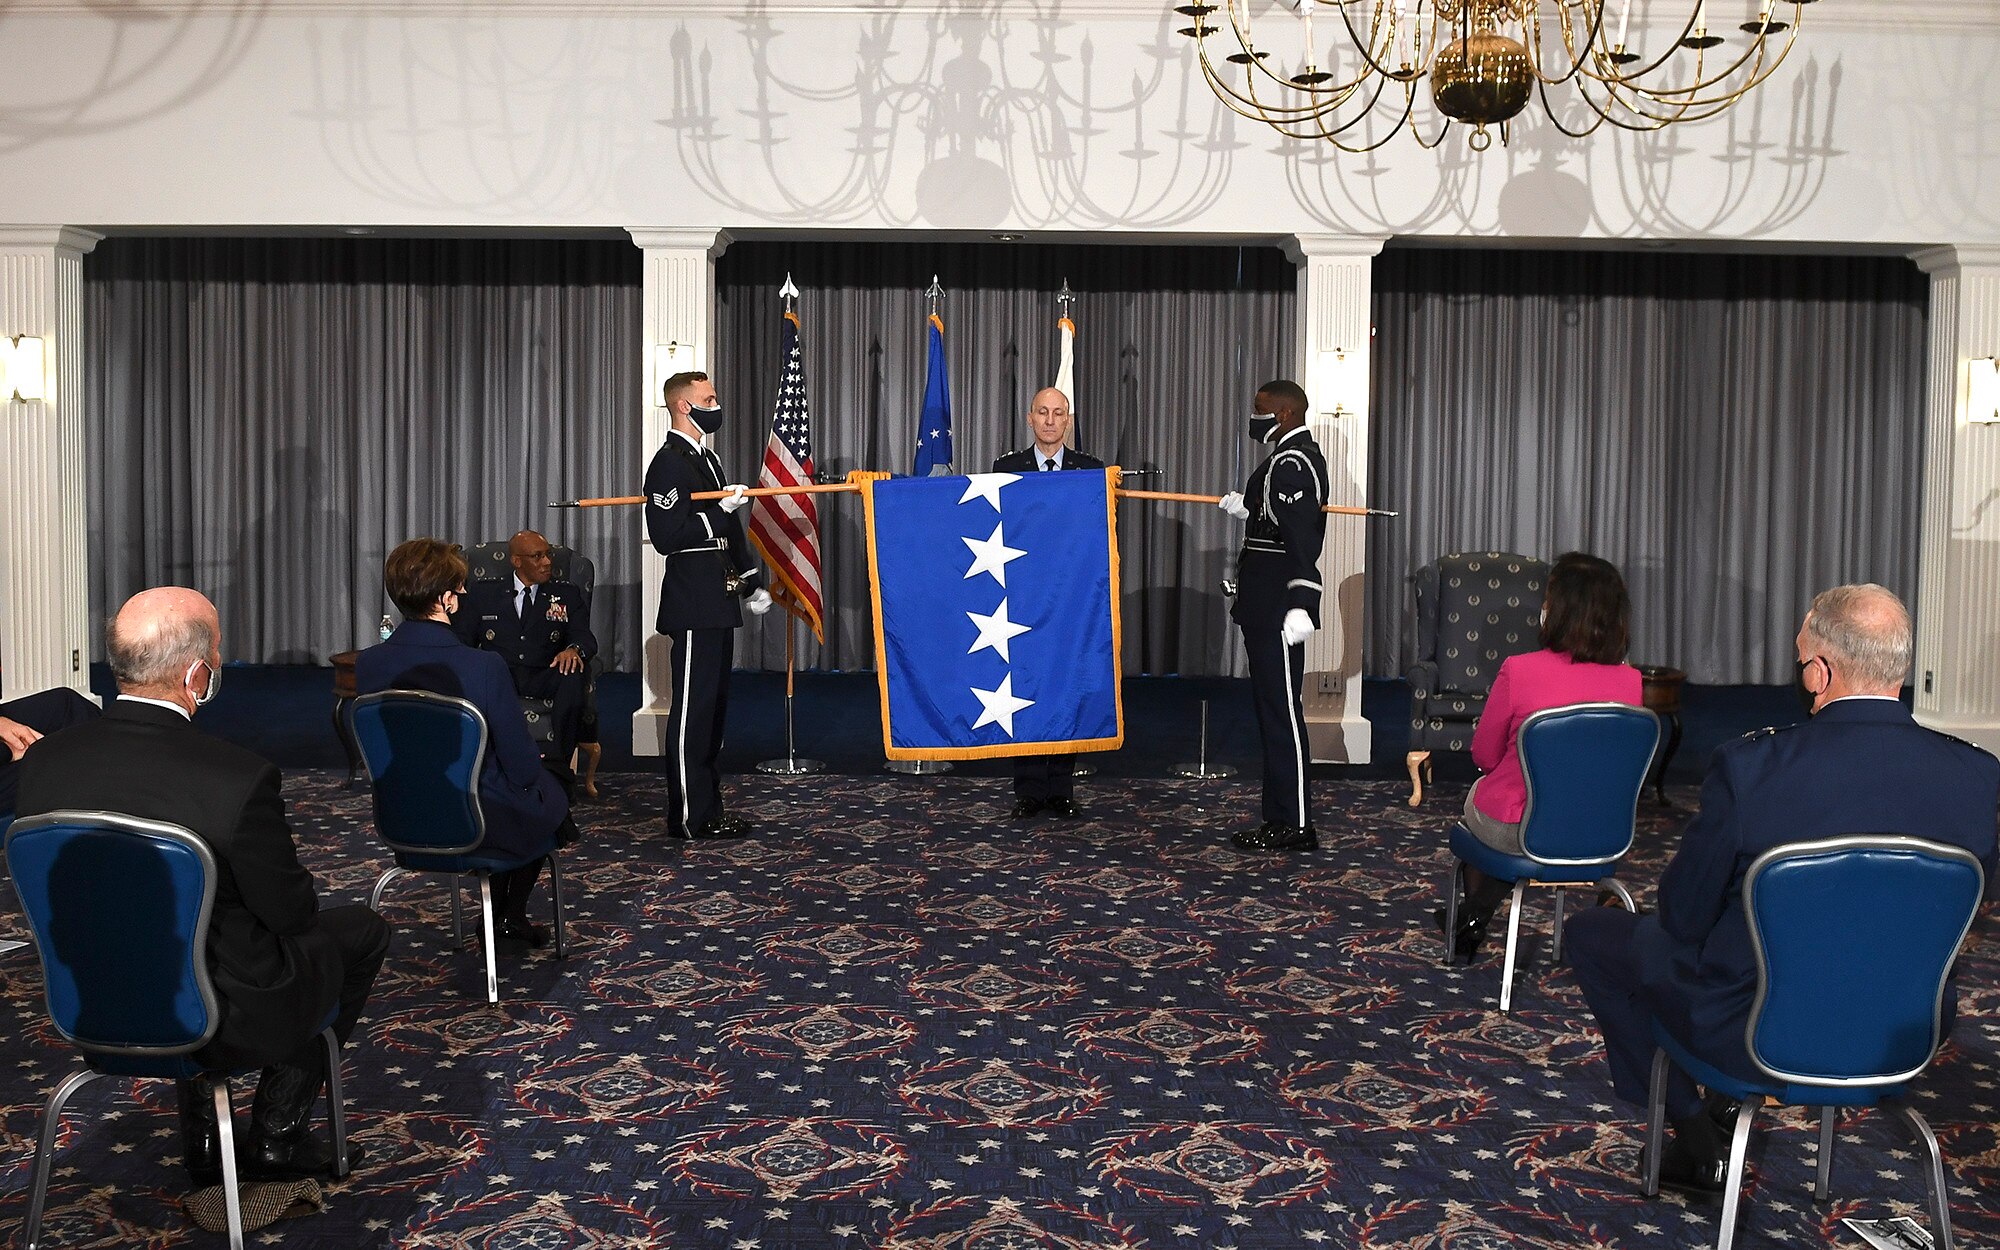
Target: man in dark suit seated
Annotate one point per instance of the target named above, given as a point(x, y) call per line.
point(541, 627)
point(26, 721)
point(1859, 765)
point(526, 810)
point(280, 963)
point(1046, 782)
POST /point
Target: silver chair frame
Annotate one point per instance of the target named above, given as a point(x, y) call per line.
point(1908, 1116)
point(1519, 896)
point(51, 1126)
point(479, 819)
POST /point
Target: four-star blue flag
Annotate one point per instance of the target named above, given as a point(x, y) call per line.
point(996, 614)
point(934, 430)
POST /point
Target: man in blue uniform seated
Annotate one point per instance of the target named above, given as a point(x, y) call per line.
point(1691, 964)
point(527, 813)
point(1046, 782)
point(541, 627)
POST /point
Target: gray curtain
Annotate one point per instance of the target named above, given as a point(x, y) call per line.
point(1734, 432)
point(268, 417)
point(1171, 344)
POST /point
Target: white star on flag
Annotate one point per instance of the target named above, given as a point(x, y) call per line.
point(995, 631)
point(991, 555)
point(1000, 706)
point(987, 486)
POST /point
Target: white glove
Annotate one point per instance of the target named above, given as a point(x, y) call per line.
point(1232, 503)
point(736, 498)
point(759, 602)
point(1297, 628)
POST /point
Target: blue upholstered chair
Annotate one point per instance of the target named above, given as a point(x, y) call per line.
point(120, 909)
point(1584, 766)
point(1854, 937)
point(424, 753)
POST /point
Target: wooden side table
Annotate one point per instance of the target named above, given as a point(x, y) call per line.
point(1661, 692)
point(343, 704)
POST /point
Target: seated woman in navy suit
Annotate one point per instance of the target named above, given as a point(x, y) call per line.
point(527, 812)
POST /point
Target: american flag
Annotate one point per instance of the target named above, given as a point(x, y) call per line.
point(785, 528)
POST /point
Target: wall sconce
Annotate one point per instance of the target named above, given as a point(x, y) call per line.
point(668, 359)
point(1341, 383)
point(1983, 396)
point(23, 369)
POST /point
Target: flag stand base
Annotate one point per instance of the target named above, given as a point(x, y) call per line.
point(1201, 769)
point(918, 768)
point(791, 766)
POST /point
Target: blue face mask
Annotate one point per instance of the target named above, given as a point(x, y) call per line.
point(1262, 426)
point(707, 420)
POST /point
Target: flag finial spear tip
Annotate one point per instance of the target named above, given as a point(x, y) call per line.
point(790, 290)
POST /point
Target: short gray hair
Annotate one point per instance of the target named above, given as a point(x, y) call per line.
point(1864, 631)
point(159, 650)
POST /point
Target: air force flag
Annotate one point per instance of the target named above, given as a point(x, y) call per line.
point(996, 614)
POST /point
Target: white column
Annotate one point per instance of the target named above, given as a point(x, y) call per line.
point(1958, 569)
point(678, 296)
point(1335, 274)
point(44, 550)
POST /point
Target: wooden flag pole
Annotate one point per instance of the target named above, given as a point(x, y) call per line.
point(1178, 497)
point(835, 488)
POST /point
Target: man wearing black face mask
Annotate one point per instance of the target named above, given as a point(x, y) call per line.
point(1860, 764)
point(709, 569)
point(1277, 605)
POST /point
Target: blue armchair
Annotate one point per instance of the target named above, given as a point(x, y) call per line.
point(1855, 938)
point(424, 753)
point(120, 910)
point(1585, 766)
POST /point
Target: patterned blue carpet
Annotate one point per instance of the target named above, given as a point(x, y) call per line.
point(899, 1019)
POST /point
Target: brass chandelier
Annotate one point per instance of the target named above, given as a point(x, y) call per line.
point(1484, 60)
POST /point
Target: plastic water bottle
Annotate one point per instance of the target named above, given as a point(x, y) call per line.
point(388, 627)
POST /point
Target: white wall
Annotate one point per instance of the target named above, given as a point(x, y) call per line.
point(986, 117)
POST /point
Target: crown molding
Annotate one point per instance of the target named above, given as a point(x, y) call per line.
point(1882, 15)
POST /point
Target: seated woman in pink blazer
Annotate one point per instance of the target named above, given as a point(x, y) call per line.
point(1586, 621)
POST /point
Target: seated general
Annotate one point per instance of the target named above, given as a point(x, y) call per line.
point(526, 810)
point(279, 961)
point(1858, 765)
point(541, 627)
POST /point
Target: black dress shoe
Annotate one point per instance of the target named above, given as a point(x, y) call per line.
point(1275, 837)
point(731, 827)
point(307, 1157)
point(717, 830)
point(1471, 934)
point(511, 930)
point(1061, 808)
point(1024, 808)
point(1682, 1171)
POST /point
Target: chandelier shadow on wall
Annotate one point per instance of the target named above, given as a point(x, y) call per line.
point(1484, 61)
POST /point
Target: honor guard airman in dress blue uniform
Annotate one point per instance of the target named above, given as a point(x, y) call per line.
point(710, 578)
point(1046, 783)
point(541, 627)
point(1277, 605)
